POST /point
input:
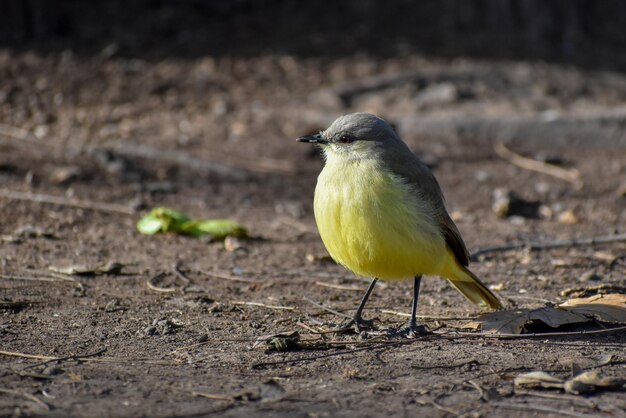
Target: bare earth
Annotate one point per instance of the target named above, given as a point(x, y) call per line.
point(214, 138)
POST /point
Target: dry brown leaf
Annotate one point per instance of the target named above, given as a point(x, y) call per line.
point(609, 308)
point(592, 381)
point(514, 321)
point(538, 379)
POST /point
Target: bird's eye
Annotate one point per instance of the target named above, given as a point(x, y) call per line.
point(346, 139)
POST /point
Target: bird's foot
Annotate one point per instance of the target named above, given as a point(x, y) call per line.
point(357, 324)
point(412, 330)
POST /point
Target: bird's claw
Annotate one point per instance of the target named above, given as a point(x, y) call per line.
point(413, 331)
point(357, 324)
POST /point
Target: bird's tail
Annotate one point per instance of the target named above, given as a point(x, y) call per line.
point(473, 289)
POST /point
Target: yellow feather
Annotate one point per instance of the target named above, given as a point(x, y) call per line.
point(373, 223)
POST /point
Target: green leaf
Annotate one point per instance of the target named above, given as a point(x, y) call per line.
point(168, 220)
point(217, 228)
point(162, 220)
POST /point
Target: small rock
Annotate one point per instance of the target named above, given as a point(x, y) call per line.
point(568, 217)
point(506, 204)
point(232, 244)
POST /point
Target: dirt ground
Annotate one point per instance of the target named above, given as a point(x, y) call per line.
point(214, 138)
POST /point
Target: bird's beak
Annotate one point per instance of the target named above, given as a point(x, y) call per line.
point(313, 139)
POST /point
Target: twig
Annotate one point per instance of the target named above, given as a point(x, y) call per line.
point(447, 366)
point(428, 317)
point(23, 355)
point(332, 311)
point(37, 279)
point(532, 407)
point(263, 305)
point(73, 357)
point(182, 276)
point(89, 359)
point(576, 399)
point(56, 200)
point(233, 278)
point(156, 288)
point(27, 396)
point(440, 407)
point(548, 245)
point(603, 288)
point(338, 286)
point(481, 392)
point(322, 356)
point(214, 396)
point(570, 175)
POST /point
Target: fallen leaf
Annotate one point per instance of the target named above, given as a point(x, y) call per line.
point(161, 220)
point(592, 381)
point(217, 228)
point(514, 321)
point(538, 379)
point(609, 308)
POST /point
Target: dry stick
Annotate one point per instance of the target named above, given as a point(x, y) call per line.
point(27, 396)
point(338, 286)
point(429, 317)
point(263, 305)
point(447, 366)
point(233, 278)
point(571, 175)
point(89, 359)
point(56, 200)
point(214, 396)
point(156, 288)
point(575, 399)
point(549, 245)
point(38, 279)
point(74, 357)
point(530, 407)
point(332, 311)
point(341, 353)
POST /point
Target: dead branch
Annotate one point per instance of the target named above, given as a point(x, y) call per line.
point(56, 200)
point(570, 175)
point(533, 246)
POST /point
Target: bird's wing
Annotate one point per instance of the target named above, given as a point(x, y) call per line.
point(408, 166)
point(454, 240)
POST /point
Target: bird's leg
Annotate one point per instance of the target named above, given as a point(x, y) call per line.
point(357, 322)
point(412, 330)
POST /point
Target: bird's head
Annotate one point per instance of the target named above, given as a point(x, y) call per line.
point(355, 136)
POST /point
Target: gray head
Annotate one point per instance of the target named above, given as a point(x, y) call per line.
point(356, 136)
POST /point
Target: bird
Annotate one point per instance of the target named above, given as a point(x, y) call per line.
point(381, 214)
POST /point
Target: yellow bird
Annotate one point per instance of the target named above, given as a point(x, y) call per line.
point(381, 213)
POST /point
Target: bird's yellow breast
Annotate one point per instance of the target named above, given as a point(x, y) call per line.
point(375, 224)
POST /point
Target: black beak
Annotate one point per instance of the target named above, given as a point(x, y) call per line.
point(313, 139)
